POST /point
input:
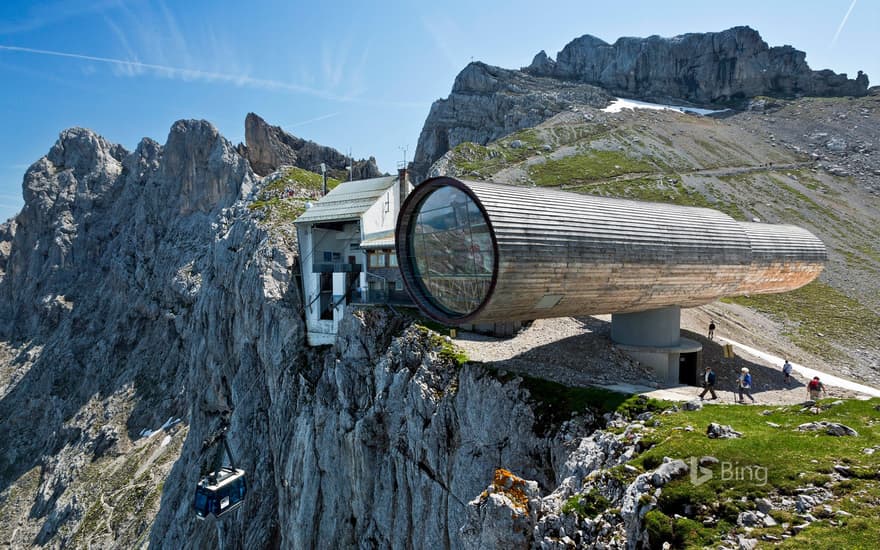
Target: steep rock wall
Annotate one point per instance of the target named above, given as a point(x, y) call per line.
point(489, 102)
point(269, 147)
point(102, 269)
point(701, 67)
point(139, 288)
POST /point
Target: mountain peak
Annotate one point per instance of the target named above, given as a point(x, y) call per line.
point(705, 68)
point(269, 147)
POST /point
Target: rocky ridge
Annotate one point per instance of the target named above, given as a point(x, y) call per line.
point(269, 148)
point(724, 68)
point(489, 102)
point(704, 68)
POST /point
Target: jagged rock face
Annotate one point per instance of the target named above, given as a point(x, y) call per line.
point(269, 147)
point(375, 443)
point(104, 272)
point(700, 67)
point(490, 102)
point(166, 299)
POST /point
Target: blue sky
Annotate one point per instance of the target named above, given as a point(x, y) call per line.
point(358, 76)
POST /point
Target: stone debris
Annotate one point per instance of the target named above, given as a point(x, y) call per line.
point(831, 428)
point(718, 431)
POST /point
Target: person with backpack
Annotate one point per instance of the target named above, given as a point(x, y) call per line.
point(786, 370)
point(709, 383)
point(745, 385)
point(814, 387)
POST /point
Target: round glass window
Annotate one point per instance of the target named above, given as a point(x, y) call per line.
point(452, 251)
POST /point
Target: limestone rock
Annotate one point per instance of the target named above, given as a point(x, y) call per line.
point(693, 405)
point(831, 428)
point(489, 102)
point(669, 471)
point(269, 148)
point(718, 431)
point(700, 67)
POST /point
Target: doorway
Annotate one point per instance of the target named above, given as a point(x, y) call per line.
point(688, 365)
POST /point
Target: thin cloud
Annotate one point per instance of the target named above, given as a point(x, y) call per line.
point(311, 120)
point(186, 74)
point(843, 22)
point(135, 68)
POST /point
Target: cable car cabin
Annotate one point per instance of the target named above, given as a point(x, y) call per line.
point(220, 493)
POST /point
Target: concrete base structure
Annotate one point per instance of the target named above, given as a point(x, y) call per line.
point(654, 338)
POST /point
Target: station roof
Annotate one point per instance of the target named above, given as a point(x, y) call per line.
point(348, 201)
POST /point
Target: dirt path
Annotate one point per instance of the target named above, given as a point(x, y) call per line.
point(716, 172)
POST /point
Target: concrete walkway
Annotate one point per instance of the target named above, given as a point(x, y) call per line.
point(673, 393)
point(689, 393)
point(827, 379)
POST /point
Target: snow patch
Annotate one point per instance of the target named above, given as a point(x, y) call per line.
point(620, 104)
point(165, 441)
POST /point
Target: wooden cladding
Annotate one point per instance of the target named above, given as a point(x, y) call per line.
point(559, 254)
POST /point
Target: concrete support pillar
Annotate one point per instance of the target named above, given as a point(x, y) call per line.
point(653, 328)
point(654, 338)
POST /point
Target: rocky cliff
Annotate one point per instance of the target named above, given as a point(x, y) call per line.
point(142, 300)
point(703, 68)
point(725, 68)
point(489, 102)
point(269, 148)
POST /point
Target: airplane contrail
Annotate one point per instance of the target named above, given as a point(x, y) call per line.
point(843, 22)
point(210, 76)
point(185, 74)
point(311, 120)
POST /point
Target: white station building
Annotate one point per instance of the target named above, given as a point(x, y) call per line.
point(347, 254)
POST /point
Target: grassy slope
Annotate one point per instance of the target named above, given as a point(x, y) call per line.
point(280, 209)
point(792, 459)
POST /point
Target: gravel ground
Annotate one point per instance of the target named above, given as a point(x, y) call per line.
point(571, 351)
point(579, 352)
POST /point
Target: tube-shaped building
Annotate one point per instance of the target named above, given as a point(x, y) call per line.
point(483, 252)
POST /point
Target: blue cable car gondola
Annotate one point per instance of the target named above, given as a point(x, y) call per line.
point(223, 490)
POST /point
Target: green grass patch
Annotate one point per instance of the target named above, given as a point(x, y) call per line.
point(816, 309)
point(280, 209)
point(679, 532)
point(852, 534)
point(766, 461)
point(588, 166)
point(657, 190)
point(586, 505)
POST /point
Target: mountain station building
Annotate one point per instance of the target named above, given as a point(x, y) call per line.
point(347, 252)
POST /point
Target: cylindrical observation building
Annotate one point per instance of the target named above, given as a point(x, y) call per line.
point(476, 252)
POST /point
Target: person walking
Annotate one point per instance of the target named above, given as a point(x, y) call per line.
point(814, 387)
point(708, 383)
point(745, 385)
point(786, 370)
point(711, 329)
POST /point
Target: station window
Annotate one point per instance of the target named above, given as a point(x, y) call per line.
point(453, 252)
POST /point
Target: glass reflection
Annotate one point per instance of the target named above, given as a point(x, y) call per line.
point(453, 251)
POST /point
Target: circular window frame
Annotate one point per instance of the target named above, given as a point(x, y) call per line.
point(406, 222)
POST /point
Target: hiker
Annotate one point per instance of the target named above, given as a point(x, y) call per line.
point(786, 370)
point(814, 387)
point(711, 329)
point(708, 383)
point(745, 385)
